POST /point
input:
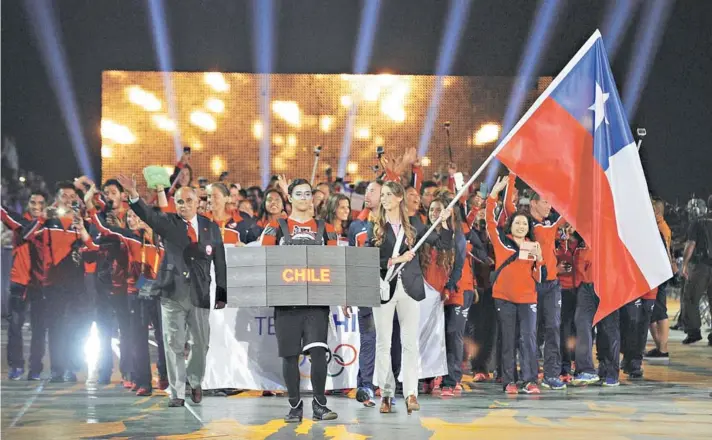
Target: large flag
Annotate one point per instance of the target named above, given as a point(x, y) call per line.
point(575, 148)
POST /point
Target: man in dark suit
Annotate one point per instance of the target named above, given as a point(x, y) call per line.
point(191, 243)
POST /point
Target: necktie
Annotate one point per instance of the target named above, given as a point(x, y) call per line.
point(191, 233)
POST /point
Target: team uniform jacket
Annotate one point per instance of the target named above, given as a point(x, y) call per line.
point(516, 282)
point(272, 235)
point(144, 251)
point(21, 272)
point(237, 229)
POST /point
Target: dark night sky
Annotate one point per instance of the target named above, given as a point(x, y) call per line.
point(319, 36)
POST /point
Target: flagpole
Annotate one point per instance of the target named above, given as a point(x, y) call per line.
point(458, 196)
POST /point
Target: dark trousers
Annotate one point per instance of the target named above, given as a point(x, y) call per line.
point(607, 338)
point(455, 319)
point(509, 315)
point(142, 312)
point(568, 329)
point(108, 307)
point(18, 304)
point(482, 327)
point(367, 352)
point(68, 313)
point(549, 308)
point(635, 319)
point(699, 283)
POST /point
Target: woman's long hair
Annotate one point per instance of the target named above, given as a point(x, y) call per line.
point(510, 220)
point(444, 258)
point(379, 225)
point(263, 214)
point(328, 210)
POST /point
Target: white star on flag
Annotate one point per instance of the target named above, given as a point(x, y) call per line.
point(599, 107)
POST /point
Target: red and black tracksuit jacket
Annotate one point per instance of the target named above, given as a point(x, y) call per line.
point(516, 282)
point(237, 229)
point(21, 272)
point(56, 241)
point(573, 252)
point(144, 250)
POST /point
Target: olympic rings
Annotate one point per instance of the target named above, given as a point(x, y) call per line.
point(338, 360)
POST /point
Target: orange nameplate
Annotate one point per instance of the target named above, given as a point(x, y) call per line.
point(312, 275)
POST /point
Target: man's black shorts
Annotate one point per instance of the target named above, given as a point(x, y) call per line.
point(660, 308)
point(300, 328)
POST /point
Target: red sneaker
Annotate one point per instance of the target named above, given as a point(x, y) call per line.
point(531, 388)
point(458, 389)
point(127, 384)
point(566, 378)
point(135, 387)
point(447, 392)
point(511, 389)
point(144, 392)
point(481, 377)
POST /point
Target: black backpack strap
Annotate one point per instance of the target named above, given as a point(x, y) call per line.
point(320, 229)
point(507, 262)
point(284, 227)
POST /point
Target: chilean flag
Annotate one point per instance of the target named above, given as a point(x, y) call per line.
point(575, 148)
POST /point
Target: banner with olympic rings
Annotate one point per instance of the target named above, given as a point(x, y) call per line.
point(243, 347)
point(243, 351)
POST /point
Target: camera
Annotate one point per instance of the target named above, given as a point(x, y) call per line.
point(379, 151)
point(186, 150)
point(224, 175)
point(317, 150)
point(202, 182)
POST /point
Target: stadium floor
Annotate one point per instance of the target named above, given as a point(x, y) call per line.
point(673, 402)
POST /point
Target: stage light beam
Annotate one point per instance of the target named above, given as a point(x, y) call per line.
point(454, 25)
point(539, 37)
point(49, 40)
point(263, 37)
point(647, 41)
point(161, 46)
point(364, 47)
point(615, 24)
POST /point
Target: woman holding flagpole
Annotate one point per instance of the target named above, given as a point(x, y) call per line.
point(393, 234)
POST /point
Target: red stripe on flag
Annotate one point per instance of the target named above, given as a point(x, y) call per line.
point(553, 154)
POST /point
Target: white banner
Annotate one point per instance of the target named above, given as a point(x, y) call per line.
point(243, 348)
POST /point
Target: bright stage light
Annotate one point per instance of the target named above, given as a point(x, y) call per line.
point(203, 121)
point(352, 168)
point(325, 123)
point(346, 101)
point(142, 98)
point(288, 111)
point(107, 152)
point(278, 140)
point(217, 165)
point(217, 81)
point(257, 130)
point(292, 140)
point(215, 105)
point(92, 348)
point(487, 134)
point(363, 133)
point(120, 134)
point(164, 122)
point(425, 161)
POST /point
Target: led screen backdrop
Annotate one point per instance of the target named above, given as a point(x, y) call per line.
point(218, 115)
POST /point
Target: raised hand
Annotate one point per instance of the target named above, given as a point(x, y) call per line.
point(500, 185)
